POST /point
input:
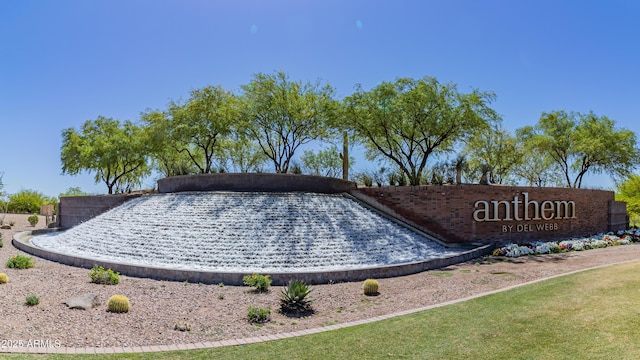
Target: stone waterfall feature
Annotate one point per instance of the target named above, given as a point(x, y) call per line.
point(245, 232)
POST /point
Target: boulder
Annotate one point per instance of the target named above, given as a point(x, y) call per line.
point(84, 302)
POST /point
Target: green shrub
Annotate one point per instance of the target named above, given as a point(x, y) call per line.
point(258, 315)
point(99, 275)
point(260, 282)
point(370, 287)
point(293, 298)
point(32, 300)
point(4, 279)
point(118, 304)
point(1, 244)
point(33, 219)
point(20, 262)
point(28, 201)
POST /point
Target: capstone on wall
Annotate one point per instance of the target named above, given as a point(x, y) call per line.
point(495, 213)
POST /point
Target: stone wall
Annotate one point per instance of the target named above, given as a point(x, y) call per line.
point(618, 218)
point(447, 211)
point(73, 210)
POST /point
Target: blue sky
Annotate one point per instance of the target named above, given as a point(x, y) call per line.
point(64, 62)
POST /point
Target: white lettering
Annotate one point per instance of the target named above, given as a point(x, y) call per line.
point(484, 211)
point(545, 207)
point(496, 210)
point(568, 210)
point(489, 211)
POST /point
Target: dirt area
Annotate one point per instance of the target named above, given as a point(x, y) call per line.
point(218, 312)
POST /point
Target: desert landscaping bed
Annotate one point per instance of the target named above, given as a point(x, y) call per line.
point(218, 312)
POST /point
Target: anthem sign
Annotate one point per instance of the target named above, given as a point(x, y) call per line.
point(524, 209)
point(469, 213)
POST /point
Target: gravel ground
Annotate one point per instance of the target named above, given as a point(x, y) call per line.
point(218, 312)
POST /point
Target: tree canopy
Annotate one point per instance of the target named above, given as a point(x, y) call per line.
point(281, 115)
point(325, 162)
point(29, 201)
point(629, 192)
point(407, 121)
point(114, 151)
point(410, 125)
point(580, 143)
point(496, 149)
point(192, 129)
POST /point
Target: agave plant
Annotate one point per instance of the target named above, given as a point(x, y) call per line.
point(293, 298)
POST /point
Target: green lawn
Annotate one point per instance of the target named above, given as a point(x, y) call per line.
point(590, 315)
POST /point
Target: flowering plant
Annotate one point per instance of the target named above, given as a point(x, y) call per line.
point(260, 282)
point(541, 247)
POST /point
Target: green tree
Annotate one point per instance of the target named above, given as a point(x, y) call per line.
point(281, 115)
point(495, 147)
point(536, 168)
point(629, 192)
point(581, 143)
point(240, 155)
point(114, 151)
point(163, 150)
point(73, 191)
point(326, 162)
point(196, 126)
point(407, 121)
point(28, 201)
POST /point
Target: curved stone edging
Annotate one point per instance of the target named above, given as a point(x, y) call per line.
point(22, 241)
point(260, 182)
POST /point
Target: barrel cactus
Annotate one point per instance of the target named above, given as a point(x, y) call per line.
point(370, 287)
point(4, 278)
point(118, 304)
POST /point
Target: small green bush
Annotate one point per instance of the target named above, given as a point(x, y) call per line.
point(99, 275)
point(293, 298)
point(32, 300)
point(260, 282)
point(1, 244)
point(4, 279)
point(258, 315)
point(33, 219)
point(20, 262)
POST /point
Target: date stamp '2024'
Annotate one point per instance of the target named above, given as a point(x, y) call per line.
point(30, 343)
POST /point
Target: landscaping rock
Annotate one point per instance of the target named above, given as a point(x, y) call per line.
point(84, 302)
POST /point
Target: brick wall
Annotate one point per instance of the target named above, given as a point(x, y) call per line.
point(73, 210)
point(446, 211)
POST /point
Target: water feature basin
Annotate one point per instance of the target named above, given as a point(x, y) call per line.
point(219, 236)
